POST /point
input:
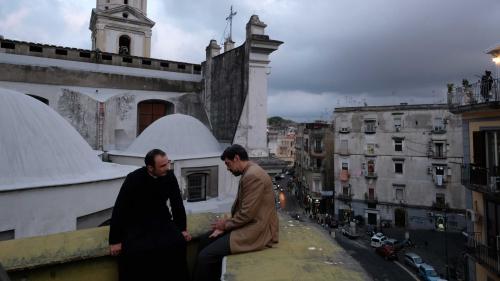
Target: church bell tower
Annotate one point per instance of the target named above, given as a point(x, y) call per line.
point(121, 27)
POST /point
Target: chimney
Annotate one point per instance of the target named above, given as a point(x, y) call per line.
point(228, 45)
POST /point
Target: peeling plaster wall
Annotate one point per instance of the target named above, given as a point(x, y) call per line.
point(81, 112)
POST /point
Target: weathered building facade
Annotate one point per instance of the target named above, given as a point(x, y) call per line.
point(314, 144)
point(478, 104)
point(397, 164)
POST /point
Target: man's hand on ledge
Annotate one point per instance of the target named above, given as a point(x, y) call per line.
point(187, 236)
point(216, 233)
point(115, 249)
point(219, 225)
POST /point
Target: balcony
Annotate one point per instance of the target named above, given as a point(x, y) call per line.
point(474, 97)
point(343, 151)
point(345, 197)
point(439, 205)
point(483, 254)
point(318, 152)
point(437, 154)
point(370, 175)
point(481, 179)
point(371, 199)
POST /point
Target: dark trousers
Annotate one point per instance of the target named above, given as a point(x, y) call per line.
point(210, 254)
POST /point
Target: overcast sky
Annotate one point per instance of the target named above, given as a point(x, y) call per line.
point(336, 52)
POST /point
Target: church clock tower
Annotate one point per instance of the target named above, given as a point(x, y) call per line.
point(121, 27)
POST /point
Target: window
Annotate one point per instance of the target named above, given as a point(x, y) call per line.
point(440, 200)
point(369, 168)
point(370, 148)
point(398, 167)
point(345, 191)
point(7, 235)
point(398, 145)
point(345, 166)
point(438, 124)
point(439, 151)
point(197, 187)
point(439, 175)
point(370, 126)
point(124, 45)
point(399, 194)
point(371, 193)
point(151, 110)
point(397, 123)
point(318, 145)
point(125, 2)
point(318, 163)
point(344, 146)
point(125, 15)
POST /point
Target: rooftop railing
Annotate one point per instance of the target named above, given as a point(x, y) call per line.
point(477, 94)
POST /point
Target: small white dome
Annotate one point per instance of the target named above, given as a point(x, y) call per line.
point(180, 136)
point(39, 148)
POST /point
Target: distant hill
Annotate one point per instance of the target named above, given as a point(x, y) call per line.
point(277, 121)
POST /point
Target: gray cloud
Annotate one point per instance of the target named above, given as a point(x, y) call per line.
point(336, 53)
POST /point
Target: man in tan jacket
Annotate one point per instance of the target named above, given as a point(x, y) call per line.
point(253, 224)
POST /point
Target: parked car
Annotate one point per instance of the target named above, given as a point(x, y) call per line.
point(346, 231)
point(427, 273)
point(387, 252)
point(413, 260)
point(377, 241)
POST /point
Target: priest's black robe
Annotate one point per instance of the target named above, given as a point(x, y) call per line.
point(153, 247)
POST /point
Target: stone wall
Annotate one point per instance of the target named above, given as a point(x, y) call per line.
point(228, 74)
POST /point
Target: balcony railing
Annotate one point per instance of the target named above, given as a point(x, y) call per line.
point(439, 205)
point(370, 175)
point(462, 98)
point(482, 179)
point(370, 198)
point(484, 254)
point(344, 197)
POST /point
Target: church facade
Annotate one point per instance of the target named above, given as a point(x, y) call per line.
point(111, 93)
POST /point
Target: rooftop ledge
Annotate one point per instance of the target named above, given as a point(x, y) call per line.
point(304, 253)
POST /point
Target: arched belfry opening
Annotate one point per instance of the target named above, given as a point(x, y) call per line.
point(124, 45)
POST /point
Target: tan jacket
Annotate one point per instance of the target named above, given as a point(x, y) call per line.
point(254, 221)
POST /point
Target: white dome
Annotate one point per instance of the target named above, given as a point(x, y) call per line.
point(39, 148)
point(180, 136)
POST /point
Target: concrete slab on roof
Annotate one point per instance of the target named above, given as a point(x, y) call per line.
point(95, 67)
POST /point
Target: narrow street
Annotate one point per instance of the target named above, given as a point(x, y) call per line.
point(378, 268)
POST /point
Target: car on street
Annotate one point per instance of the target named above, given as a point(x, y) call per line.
point(387, 252)
point(377, 241)
point(428, 273)
point(413, 260)
point(347, 231)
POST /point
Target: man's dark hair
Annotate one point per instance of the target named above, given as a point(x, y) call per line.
point(149, 160)
point(234, 150)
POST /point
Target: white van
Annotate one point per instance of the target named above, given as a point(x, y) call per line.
point(377, 241)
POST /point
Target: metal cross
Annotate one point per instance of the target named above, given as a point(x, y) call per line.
point(230, 19)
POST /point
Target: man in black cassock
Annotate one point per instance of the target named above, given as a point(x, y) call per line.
point(149, 241)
